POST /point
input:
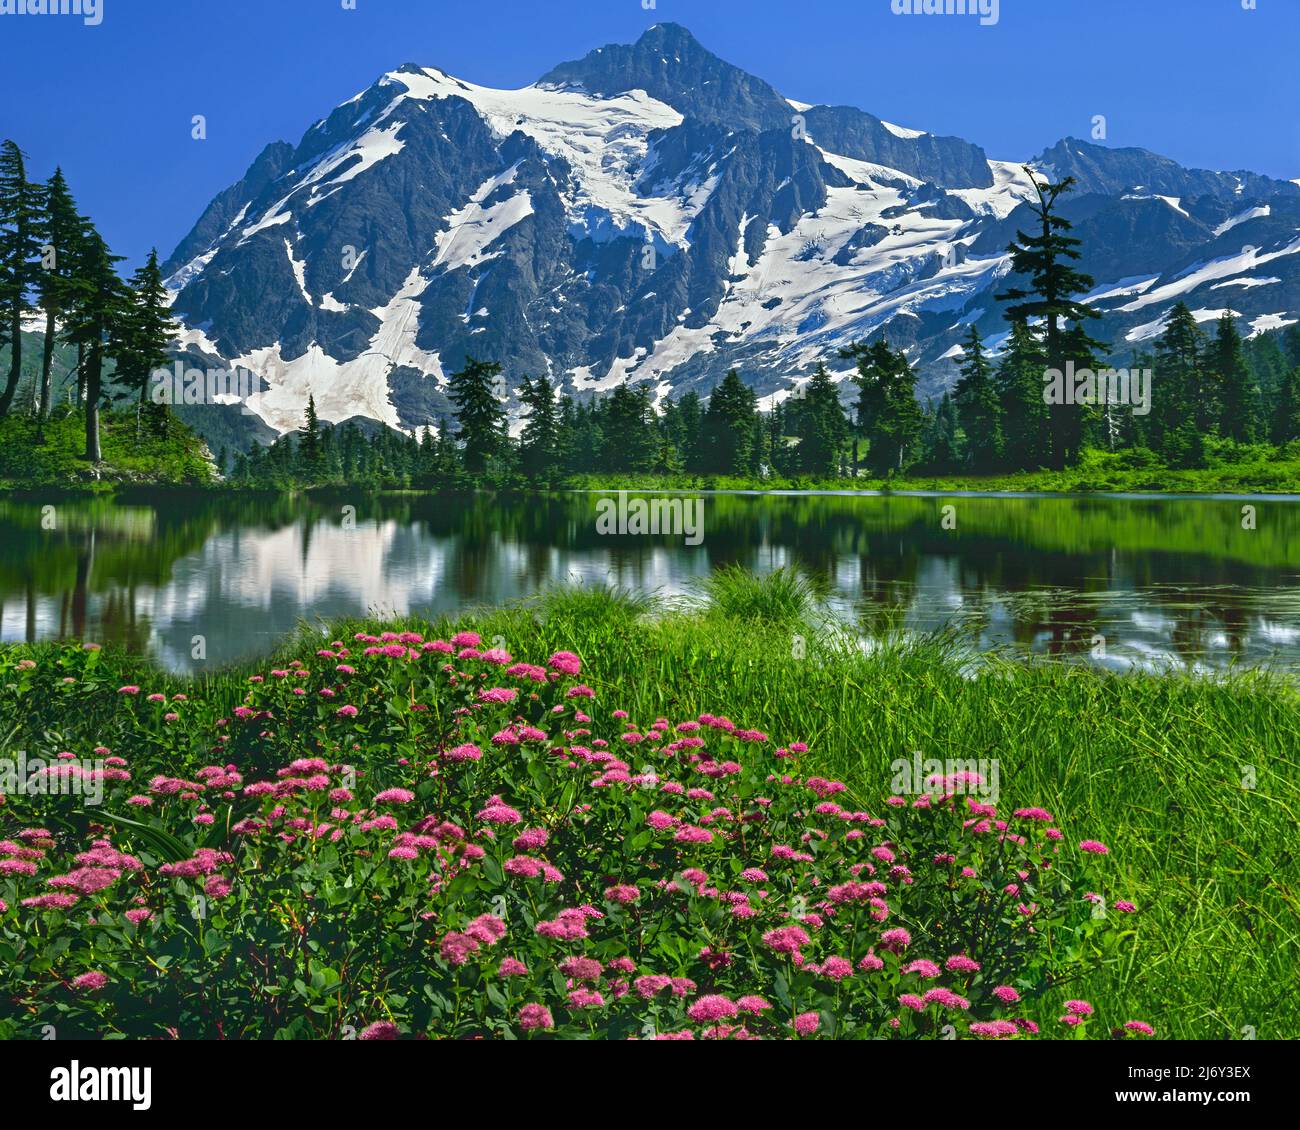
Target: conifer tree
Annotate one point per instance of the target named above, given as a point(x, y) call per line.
point(65, 235)
point(727, 430)
point(21, 233)
point(939, 435)
point(581, 436)
point(690, 424)
point(144, 337)
point(1286, 416)
point(1291, 344)
point(1239, 399)
point(1179, 384)
point(1045, 260)
point(1268, 361)
point(778, 445)
point(1019, 383)
point(309, 442)
point(822, 428)
point(539, 446)
point(628, 436)
point(100, 302)
point(888, 412)
point(479, 415)
point(979, 408)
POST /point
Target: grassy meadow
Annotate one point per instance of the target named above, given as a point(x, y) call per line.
point(1194, 783)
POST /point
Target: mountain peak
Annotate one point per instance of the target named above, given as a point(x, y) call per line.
point(671, 65)
point(1115, 171)
point(672, 35)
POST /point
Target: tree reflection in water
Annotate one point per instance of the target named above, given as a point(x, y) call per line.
point(1173, 580)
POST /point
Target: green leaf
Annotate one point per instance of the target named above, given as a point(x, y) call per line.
point(163, 843)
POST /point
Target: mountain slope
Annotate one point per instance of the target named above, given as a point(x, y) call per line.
point(653, 213)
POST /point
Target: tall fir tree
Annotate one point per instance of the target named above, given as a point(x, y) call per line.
point(1239, 398)
point(670, 445)
point(629, 441)
point(1268, 361)
point(1179, 384)
point(309, 443)
point(979, 408)
point(690, 424)
point(22, 221)
point(1045, 260)
point(581, 436)
point(480, 417)
point(100, 302)
point(1286, 413)
point(822, 428)
point(539, 446)
point(727, 430)
point(888, 412)
point(1291, 345)
point(65, 235)
point(1026, 442)
point(144, 338)
point(938, 443)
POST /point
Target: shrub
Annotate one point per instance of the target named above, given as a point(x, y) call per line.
point(408, 837)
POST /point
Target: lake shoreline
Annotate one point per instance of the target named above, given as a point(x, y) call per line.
point(135, 493)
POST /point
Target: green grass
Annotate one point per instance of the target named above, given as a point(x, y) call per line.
point(782, 597)
point(1257, 469)
point(1156, 767)
point(51, 455)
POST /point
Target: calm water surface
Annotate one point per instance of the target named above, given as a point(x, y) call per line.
point(1166, 581)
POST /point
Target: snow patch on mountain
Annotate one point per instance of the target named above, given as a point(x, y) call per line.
point(299, 269)
point(1246, 260)
point(348, 388)
point(804, 293)
point(1241, 218)
point(903, 131)
point(605, 140)
point(1246, 283)
point(1174, 202)
point(371, 148)
point(475, 226)
point(181, 278)
point(1012, 186)
point(1266, 323)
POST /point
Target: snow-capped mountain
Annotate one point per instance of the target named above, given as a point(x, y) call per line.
point(653, 213)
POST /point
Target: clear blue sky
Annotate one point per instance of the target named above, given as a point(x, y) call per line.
point(1203, 81)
